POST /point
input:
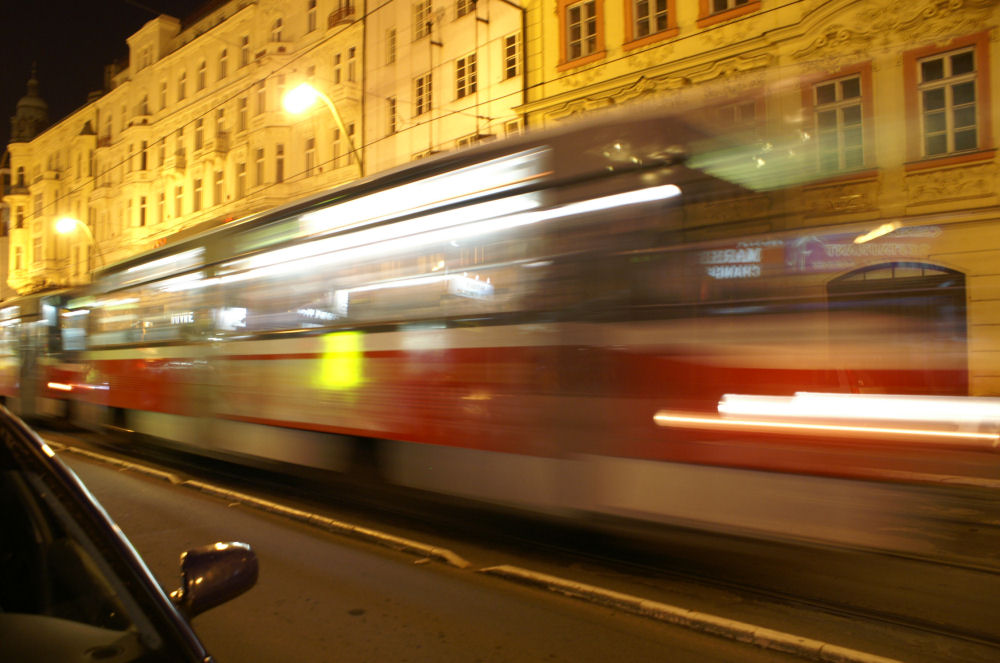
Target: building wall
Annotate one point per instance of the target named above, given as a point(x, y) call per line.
point(402, 52)
point(753, 73)
point(191, 132)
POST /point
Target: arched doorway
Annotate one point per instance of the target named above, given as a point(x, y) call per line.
point(912, 316)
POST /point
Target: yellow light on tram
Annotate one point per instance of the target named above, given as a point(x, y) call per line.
point(341, 362)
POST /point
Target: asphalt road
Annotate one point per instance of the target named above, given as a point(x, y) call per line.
point(323, 597)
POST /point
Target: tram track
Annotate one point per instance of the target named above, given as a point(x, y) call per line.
point(626, 559)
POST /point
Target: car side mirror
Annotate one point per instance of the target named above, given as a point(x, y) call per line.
point(214, 574)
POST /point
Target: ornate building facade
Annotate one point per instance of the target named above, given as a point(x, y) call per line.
point(192, 132)
point(859, 116)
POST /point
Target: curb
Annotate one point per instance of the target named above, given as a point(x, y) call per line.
point(731, 629)
point(328, 524)
point(336, 526)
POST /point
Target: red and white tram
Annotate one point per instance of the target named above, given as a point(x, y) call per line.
point(506, 323)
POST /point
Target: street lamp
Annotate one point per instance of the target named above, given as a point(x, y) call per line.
point(67, 224)
point(302, 97)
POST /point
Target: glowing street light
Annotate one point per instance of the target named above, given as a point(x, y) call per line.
point(302, 97)
point(67, 224)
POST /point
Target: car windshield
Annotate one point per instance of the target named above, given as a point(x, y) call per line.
point(61, 597)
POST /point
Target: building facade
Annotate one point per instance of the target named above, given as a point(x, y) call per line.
point(854, 117)
point(851, 115)
point(192, 132)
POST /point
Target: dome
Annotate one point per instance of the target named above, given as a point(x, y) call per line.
point(32, 115)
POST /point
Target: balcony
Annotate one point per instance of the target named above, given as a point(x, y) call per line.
point(340, 15)
point(175, 163)
point(218, 145)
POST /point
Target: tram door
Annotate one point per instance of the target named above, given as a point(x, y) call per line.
point(913, 319)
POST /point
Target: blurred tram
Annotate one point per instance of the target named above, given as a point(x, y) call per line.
point(504, 324)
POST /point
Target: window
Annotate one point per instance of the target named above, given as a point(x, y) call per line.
point(196, 196)
point(725, 5)
point(259, 166)
point(241, 114)
point(19, 217)
point(178, 201)
point(512, 128)
point(336, 69)
point(711, 12)
point(18, 258)
point(390, 45)
point(241, 179)
point(143, 159)
point(202, 75)
point(390, 110)
point(223, 64)
point(310, 156)
point(163, 95)
point(142, 211)
point(648, 17)
point(351, 63)
point(421, 19)
point(337, 148)
point(311, 16)
point(947, 85)
point(280, 85)
point(181, 85)
point(161, 207)
point(422, 94)
point(199, 134)
point(220, 122)
point(465, 76)
point(511, 55)
point(36, 250)
point(839, 130)
point(244, 50)
point(217, 188)
point(279, 163)
point(276, 30)
point(581, 29)
point(463, 7)
point(261, 97)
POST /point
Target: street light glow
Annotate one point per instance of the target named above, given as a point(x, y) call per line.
point(303, 96)
point(300, 98)
point(67, 224)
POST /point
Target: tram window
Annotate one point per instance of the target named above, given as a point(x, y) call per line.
point(404, 282)
point(155, 312)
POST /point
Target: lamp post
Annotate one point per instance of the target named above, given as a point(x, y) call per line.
point(67, 224)
point(302, 97)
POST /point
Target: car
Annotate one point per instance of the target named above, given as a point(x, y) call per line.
point(72, 587)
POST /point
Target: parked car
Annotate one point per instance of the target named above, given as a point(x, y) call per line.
point(72, 588)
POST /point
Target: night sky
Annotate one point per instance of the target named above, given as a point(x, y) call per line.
point(71, 41)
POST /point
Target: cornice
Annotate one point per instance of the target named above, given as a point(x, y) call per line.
point(865, 27)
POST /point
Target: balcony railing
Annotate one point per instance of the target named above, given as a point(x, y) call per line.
point(340, 15)
point(176, 162)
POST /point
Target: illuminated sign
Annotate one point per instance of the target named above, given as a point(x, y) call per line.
point(814, 253)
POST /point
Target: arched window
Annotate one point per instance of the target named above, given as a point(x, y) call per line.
point(912, 317)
